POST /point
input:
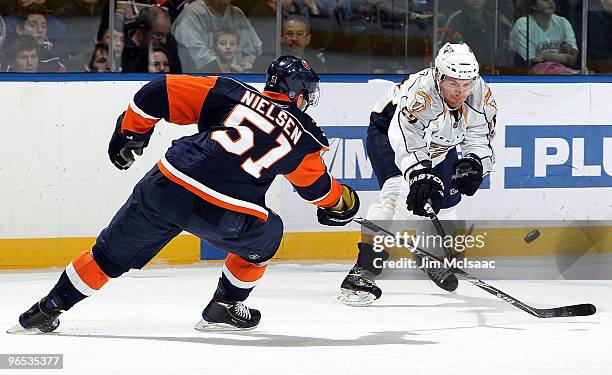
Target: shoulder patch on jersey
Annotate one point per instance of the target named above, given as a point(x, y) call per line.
point(421, 102)
point(488, 99)
point(410, 117)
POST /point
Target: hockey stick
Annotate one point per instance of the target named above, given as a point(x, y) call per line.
point(439, 229)
point(583, 309)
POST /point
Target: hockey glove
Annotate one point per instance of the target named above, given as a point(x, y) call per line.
point(123, 143)
point(468, 174)
point(425, 186)
point(343, 212)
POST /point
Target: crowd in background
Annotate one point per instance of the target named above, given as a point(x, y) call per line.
point(335, 36)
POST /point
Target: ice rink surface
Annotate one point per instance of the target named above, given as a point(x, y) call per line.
point(142, 323)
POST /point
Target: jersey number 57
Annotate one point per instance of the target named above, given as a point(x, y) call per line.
point(246, 139)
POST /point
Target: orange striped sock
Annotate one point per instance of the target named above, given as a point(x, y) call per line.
point(85, 274)
point(240, 276)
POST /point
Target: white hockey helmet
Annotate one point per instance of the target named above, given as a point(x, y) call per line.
point(457, 61)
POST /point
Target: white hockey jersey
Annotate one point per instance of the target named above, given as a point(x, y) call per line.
point(423, 129)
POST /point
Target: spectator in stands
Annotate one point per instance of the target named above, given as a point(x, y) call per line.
point(99, 62)
point(599, 40)
point(226, 44)
point(197, 22)
point(150, 29)
point(295, 39)
point(32, 21)
point(158, 61)
point(56, 30)
point(322, 12)
point(118, 42)
point(20, 54)
point(475, 25)
point(550, 47)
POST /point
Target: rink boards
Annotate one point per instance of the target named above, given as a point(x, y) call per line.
point(553, 145)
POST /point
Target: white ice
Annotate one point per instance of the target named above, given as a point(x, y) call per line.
point(142, 323)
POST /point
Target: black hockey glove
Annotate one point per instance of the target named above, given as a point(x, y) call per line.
point(425, 186)
point(468, 174)
point(343, 212)
point(123, 143)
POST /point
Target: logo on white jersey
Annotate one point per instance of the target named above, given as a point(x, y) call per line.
point(489, 100)
point(448, 49)
point(421, 102)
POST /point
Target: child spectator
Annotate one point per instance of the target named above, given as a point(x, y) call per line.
point(196, 24)
point(226, 43)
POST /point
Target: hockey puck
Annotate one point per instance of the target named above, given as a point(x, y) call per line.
point(531, 236)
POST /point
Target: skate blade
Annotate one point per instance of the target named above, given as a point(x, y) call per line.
point(19, 330)
point(206, 326)
point(355, 298)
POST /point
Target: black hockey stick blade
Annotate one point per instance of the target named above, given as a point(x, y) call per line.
point(583, 309)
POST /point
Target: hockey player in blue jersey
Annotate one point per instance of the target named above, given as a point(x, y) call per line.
point(412, 138)
point(211, 184)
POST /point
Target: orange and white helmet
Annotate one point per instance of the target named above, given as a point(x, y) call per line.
point(457, 61)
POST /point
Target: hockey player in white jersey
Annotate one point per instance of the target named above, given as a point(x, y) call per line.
point(411, 142)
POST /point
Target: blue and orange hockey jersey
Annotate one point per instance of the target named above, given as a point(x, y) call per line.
point(245, 140)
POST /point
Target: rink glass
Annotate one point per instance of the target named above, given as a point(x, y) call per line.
point(354, 36)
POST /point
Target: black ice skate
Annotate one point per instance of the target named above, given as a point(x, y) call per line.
point(442, 277)
point(225, 315)
point(40, 318)
point(358, 288)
